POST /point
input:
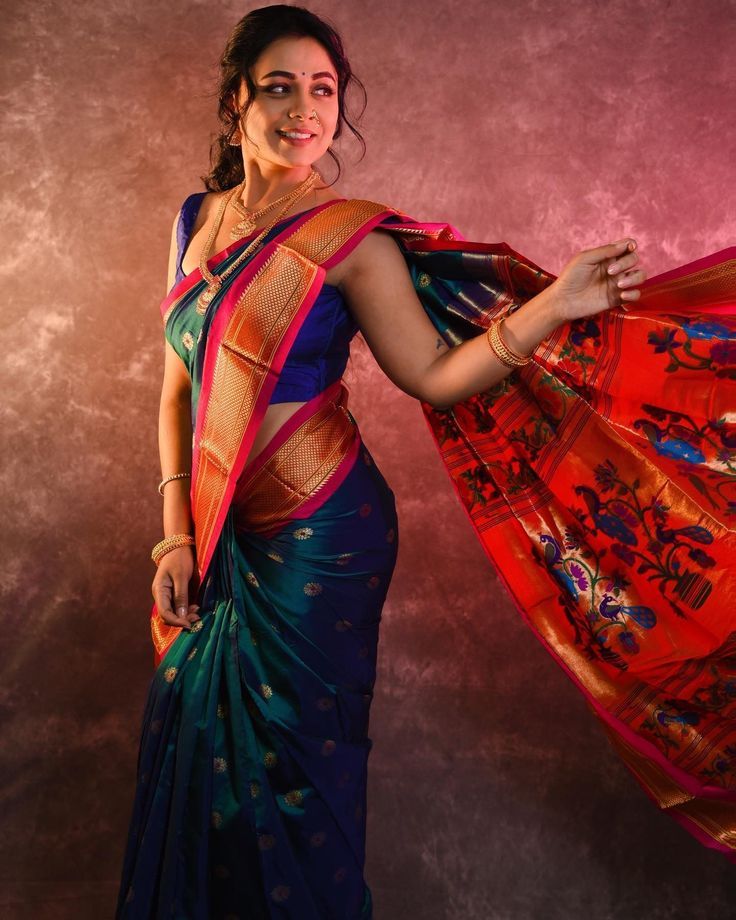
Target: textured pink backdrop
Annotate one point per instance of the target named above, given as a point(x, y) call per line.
point(550, 124)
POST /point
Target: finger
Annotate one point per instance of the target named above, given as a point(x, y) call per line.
point(631, 278)
point(162, 598)
point(181, 605)
point(623, 263)
point(163, 607)
point(610, 251)
point(193, 613)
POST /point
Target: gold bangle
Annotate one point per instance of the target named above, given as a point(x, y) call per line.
point(168, 479)
point(168, 543)
point(501, 350)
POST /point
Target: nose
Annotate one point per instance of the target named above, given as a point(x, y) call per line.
point(301, 104)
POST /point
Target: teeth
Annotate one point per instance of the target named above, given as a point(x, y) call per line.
point(294, 134)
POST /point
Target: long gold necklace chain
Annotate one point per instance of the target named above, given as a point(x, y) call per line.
point(248, 223)
point(215, 281)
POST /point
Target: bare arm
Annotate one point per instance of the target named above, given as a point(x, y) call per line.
point(175, 428)
point(380, 291)
point(171, 586)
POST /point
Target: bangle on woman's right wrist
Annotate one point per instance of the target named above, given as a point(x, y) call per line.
point(168, 543)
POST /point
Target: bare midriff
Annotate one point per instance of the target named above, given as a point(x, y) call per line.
point(276, 415)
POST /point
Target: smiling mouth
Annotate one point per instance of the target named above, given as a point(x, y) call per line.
point(296, 135)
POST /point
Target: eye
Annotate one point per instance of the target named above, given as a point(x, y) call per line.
point(278, 86)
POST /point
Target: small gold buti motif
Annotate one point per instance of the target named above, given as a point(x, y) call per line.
point(216, 819)
point(255, 790)
point(250, 577)
point(220, 765)
point(170, 674)
point(266, 691)
point(280, 893)
point(275, 556)
point(344, 558)
point(303, 533)
point(221, 710)
point(312, 588)
point(187, 340)
point(196, 626)
point(294, 797)
point(270, 759)
point(192, 653)
point(423, 279)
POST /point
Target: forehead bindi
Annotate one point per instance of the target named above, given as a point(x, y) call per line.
point(296, 59)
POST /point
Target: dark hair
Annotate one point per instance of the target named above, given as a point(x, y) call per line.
point(249, 38)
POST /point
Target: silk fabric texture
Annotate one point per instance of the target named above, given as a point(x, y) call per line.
point(599, 480)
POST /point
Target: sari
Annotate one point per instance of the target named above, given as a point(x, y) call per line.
point(607, 517)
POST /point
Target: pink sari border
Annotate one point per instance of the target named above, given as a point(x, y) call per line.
point(290, 426)
point(715, 258)
point(262, 400)
point(704, 838)
point(188, 281)
point(294, 421)
point(365, 228)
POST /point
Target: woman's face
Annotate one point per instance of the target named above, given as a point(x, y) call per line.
point(293, 76)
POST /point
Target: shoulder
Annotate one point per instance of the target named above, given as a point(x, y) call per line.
point(378, 249)
point(198, 205)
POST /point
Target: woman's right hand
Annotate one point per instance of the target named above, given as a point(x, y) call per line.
point(171, 585)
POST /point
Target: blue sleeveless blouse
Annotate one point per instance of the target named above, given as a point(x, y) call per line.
point(321, 349)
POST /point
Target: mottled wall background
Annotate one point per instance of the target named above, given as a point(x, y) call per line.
point(550, 124)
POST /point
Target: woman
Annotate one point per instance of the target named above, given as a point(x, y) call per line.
point(606, 516)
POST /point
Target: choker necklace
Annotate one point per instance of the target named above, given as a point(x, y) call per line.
point(215, 281)
point(248, 223)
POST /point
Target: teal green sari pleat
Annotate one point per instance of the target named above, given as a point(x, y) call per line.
point(251, 799)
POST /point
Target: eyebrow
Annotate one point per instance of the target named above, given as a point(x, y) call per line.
point(292, 76)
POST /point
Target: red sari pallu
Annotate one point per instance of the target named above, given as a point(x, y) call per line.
point(600, 480)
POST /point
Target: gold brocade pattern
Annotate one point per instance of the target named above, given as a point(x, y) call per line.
point(711, 285)
point(296, 471)
point(258, 323)
point(321, 236)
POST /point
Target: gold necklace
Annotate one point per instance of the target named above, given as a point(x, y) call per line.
point(248, 224)
point(215, 281)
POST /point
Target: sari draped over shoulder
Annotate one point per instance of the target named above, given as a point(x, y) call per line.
point(599, 479)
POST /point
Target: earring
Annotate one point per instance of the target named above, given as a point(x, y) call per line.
point(235, 139)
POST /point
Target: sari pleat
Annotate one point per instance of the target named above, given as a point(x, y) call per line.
point(256, 732)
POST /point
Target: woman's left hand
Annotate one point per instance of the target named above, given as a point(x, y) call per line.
point(597, 279)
